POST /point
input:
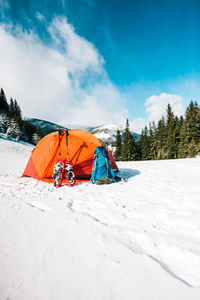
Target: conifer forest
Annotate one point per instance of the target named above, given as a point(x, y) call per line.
point(170, 138)
point(12, 123)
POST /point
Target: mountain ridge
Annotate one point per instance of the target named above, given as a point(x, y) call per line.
point(105, 133)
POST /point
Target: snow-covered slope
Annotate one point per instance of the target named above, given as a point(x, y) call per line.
point(134, 240)
point(107, 133)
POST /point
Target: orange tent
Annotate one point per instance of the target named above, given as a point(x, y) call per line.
point(81, 147)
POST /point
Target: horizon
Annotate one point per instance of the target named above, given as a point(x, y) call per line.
point(79, 126)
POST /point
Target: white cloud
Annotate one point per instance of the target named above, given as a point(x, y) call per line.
point(156, 108)
point(63, 83)
point(40, 17)
point(4, 4)
point(138, 124)
point(80, 54)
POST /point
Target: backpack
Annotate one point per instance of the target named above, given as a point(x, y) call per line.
point(102, 173)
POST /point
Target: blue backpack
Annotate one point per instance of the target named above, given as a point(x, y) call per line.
point(102, 166)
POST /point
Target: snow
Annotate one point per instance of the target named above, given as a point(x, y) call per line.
point(106, 132)
point(129, 240)
point(110, 127)
point(102, 135)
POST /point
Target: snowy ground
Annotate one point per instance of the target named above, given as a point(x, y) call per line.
point(134, 240)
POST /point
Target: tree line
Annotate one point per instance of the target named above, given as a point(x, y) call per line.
point(12, 123)
point(171, 138)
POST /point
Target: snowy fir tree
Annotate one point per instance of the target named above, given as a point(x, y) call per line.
point(3, 102)
point(11, 108)
point(118, 146)
point(129, 150)
point(36, 138)
point(152, 141)
point(145, 144)
point(125, 145)
point(11, 122)
point(161, 138)
point(3, 123)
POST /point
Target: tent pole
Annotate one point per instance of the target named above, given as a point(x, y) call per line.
point(67, 134)
point(59, 141)
point(60, 133)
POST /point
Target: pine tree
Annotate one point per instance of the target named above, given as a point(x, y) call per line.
point(173, 137)
point(118, 145)
point(28, 131)
point(193, 149)
point(17, 109)
point(8, 129)
point(13, 130)
point(190, 132)
point(129, 148)
point(11, 121)
point(170, 143)
point(182, 146)
point(141, 142)
point(152, 141)
point(132, 148)
point(17, 132)
point(11, 108)
point(36, 138)
point(145, 144)
point(176, 137)
point(161, 139)
point(194, 123)
point(125, 144)
point(4, 123)
point(3, 102)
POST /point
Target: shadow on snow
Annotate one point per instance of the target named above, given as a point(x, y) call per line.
point(128, 173)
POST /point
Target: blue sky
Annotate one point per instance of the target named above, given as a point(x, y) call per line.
point(92, 62)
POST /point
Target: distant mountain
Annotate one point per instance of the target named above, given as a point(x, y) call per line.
point(106, 133)
point(45, 126)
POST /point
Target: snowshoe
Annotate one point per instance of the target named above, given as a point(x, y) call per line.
point(71, 178)
point(69, 174)
point(63, 168)
point(58, 172)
